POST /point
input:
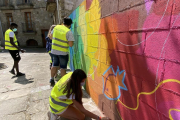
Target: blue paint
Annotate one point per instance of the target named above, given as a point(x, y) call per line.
point(71, 59)
point(119, 87)
point(74, 14)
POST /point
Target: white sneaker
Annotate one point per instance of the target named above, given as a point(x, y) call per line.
point(52, 116)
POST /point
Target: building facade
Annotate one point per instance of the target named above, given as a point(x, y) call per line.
point(61, 8)
point(32, 18)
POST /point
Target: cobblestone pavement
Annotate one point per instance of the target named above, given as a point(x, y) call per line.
point(26, 98)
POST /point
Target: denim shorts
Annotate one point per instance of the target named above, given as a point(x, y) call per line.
point(60, 60)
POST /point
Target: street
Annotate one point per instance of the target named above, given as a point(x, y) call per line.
point(27, 97)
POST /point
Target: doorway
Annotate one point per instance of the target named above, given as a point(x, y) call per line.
point(31, 42)
point(44, 35)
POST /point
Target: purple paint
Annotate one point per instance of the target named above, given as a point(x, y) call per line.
point(175, 115)
point(148, 6)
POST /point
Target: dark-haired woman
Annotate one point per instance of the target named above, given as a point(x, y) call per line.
point(66, 97)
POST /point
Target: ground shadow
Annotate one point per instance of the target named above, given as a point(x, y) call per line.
point(30, 50)
point(23, 80)
point(85, 95)
point(2, 66)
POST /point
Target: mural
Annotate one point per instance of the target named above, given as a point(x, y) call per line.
point(130, 51)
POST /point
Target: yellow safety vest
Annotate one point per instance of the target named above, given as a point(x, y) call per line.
point(59, 41)
point(8, 45)
point(51, 59)
point(56, 105)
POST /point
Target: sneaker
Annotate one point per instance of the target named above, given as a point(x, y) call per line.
point(52, 82)
point(20, 74)
point(57, 78)
point(52, 116)
point(12, 72)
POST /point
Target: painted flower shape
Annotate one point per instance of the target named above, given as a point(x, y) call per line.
point(113, 82)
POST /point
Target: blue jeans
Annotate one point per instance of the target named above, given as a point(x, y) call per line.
point(60, 60)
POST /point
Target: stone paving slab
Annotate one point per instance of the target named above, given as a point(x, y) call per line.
point(36, 107)
point(27, 97)
point(40, 116)
point(40, 95)
point(3, 90)
point(17, 116)
point(8, 107)
point(14, 94)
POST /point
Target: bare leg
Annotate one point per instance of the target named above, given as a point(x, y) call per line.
point(53, 71)
point(12, 70)
point(63, 72)
point(16, 66)
point(57, 71)
point(73, 114)
point(13, 66)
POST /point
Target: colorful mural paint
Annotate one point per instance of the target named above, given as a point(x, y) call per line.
point(130, 51)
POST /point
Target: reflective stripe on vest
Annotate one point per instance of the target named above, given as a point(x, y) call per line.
point(8, 45)
point(10, 42)
point(59, 41)
point(59, 45)
point(56, 105)
point(54, 110)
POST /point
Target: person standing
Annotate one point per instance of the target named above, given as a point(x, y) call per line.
point(49, 44)
point(61, 41)
point(11, 44)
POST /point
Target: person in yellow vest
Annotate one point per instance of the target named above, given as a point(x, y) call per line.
point(11, 44)
point(66, 98)
point(61, 41)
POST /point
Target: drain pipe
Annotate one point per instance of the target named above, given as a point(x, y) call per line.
point(57, 1)
point(2, 41)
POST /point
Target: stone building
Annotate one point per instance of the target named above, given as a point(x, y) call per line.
point(61, 8)
point(32, 18)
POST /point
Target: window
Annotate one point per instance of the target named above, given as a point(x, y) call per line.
point(6, 2)
point(9, 18)
point(28, 21)
point(26, 1)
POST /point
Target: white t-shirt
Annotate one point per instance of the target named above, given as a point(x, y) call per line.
point(70, 97)
point(11, 34)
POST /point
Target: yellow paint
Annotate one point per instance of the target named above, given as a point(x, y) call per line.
point(94, 3)
point(92, 28)
point(104, 43)
point(170, 117)
point(119, 114)
point(148, 93)
point(82, 8)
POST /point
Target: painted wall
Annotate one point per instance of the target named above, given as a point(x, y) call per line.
point(130, 50)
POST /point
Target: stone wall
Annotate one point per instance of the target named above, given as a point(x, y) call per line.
point(39, 15)
point(130, 52)
point(77, 3)
point(65, 9)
